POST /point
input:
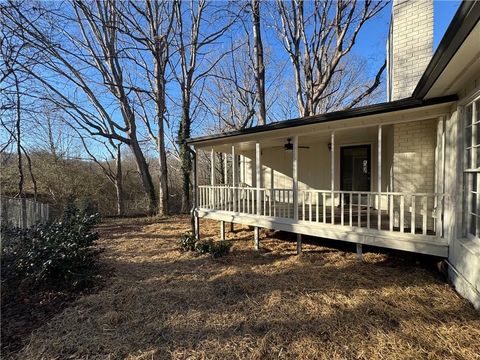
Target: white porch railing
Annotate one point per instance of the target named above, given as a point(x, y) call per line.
point(415, 213)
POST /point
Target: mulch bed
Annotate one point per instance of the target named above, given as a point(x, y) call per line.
point(162, 303)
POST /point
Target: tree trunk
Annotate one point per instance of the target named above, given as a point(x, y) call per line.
point(159, 64)
point(186, 166)
point(119, 183)
point(145, 176)
point(259, 63)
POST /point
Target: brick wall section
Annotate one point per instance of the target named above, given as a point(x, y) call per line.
point(414, 156)
point(412, 45)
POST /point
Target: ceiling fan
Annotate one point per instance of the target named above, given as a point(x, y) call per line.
point(288, 146)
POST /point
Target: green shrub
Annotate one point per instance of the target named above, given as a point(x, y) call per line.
point(220, 248)
point(187, 242)
point(57, 253)
point(203, 247)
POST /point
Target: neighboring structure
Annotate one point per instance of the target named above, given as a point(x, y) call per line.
point(400, 175)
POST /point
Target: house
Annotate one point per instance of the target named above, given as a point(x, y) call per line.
point(400, 175)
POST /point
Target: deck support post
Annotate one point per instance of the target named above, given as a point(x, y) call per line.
point(299, 244)
point(332, 175)
point(295, 177)
point(359, 252)
point(379, 176)
point(222, 230)
point(197, 227)
point(256, 238)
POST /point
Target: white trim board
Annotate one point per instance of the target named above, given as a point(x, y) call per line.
point(400, 241)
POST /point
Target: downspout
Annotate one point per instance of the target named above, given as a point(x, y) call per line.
point(194, 192)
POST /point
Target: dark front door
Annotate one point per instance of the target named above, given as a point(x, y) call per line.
point(355, 168)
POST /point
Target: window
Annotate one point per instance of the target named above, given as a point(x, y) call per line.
point(472, 169)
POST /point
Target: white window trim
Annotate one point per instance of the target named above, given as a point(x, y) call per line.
point(466, 199)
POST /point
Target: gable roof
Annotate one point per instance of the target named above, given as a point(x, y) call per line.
point(463, 22)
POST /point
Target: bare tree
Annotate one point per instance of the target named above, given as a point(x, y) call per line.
point(192, 42)
point(318, 36)
point(82, 51)
point(113, 173)
point(259, 63)
point(149, 25)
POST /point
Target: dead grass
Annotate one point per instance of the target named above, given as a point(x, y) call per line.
point(162, 303)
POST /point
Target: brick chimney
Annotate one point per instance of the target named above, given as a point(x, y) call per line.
point(410, 46)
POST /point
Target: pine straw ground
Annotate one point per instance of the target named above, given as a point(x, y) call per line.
point(162, 303)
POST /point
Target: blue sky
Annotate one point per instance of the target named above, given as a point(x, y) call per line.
point(371, 43)
point(372, 40)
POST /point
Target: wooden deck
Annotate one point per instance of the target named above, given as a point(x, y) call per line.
point(410, 222)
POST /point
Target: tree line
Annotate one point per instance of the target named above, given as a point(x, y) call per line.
point(145, 76)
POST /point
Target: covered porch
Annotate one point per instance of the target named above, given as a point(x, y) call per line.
point(376, 181)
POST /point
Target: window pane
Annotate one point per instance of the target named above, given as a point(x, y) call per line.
point(469, 159)
point(473, 223)
point(477, 107)
point(474, 182)
point(477, 151)
point(473, 203)
point(468, 136)
point(468, 115)
point(477, 137)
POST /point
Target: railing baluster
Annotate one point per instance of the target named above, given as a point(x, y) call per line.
point(402, 213)
point(368, 211)
point(303, 205)
point(412, 215)
point(274, 204)
point(390, 210)
point(379, 212)
point(324, 208)
point(342, 208)
point(350, 215)
point(332, 210)
point(309, 206)
point(425, 213)
point(359, 210)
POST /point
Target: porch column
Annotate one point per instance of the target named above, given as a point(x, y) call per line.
point(379, 177)
point(295, 177)
point(258, 176)
point(332, 176)
point(234, 178)
point(258, 184)
point(212, 168)
point(212, 178)
point(225, 168)
point(439, 176)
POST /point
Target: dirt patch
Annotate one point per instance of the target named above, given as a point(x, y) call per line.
point(162, 303)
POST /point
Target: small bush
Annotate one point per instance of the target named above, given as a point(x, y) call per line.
point(203, 247)
point(220, 248)
point(57, 253)
point(188, 242)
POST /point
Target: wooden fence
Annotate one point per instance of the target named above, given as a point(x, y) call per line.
point(12, 214)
